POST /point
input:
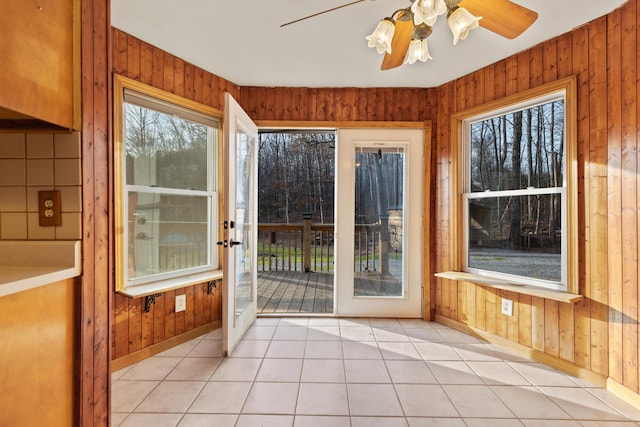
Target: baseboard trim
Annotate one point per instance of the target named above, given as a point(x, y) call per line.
point(533, 354)
point(136, 356)
point(623, 392)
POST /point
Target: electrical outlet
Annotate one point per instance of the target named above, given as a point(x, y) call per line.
point(507, 307)
point(49, 208)
point(181, 303)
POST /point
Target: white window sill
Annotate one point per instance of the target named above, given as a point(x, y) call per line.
point(170, 284)
point(510, 286)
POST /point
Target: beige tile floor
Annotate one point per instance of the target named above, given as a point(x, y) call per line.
point(321, 372)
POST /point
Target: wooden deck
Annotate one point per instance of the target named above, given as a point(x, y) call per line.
point(299, 292)
point(295, 292)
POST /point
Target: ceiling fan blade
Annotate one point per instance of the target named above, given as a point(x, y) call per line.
point(503, 17)
point(399, 45)
point(320, 13)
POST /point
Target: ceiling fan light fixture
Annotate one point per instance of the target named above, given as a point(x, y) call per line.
point(382, 36)
point(418, 51)
point(461, 21)
point(427, 11)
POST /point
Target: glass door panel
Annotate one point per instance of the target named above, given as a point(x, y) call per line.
point(379, 222)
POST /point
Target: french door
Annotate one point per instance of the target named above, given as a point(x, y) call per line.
point(239, 299)
point(379, 222)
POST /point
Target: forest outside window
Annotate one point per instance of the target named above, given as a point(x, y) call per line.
point(517, 205)
point(169, 202)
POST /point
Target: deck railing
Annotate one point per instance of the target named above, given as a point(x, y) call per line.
point(310, 247)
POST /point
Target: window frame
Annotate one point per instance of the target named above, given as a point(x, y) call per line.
point(461, 172)
point(168, 103)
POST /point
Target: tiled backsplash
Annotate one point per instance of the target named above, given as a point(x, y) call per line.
point(32, 162)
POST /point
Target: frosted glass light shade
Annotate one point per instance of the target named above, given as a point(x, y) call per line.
point(427, 11)
point(418, 51)
point(461, 21)
point(382, 36)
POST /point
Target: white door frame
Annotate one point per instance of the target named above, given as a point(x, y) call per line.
point(411, 303)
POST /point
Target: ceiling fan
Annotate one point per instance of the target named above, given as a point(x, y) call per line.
point(403, 33)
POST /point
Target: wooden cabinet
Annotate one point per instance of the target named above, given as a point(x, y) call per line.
point(39, 76)
point(36, 356)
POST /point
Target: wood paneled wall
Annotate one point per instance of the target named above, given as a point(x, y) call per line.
point(599, 333)
point(92, 365)
point(140, 61)
point(133, 329)
point(338, 104)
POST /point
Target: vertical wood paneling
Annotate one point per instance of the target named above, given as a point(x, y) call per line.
point(511, 78)
point(146, 63)
point(630, 92)
point(512, 321)
point(198, 85)
point(600, 332)
point(133, 57)
point(189, 315)
point(524, 320)
point(170, 314)
point(565, 59)
point(536, 65)
point(551, 330)
point(501, 321)
point(580, 56)
point(132, 329)
point(120, 52)
point(565, 332)
point(178, 76)
point(614, 191)
point(135, 324)
point(188, 81)
point(93, 381)
point(120, 326)
point(523, 70)
point(158, 319)
point(550, 61)
point(537, 323)
point(207, 89)
point(158, 68)
point(598, 194)
point(147, 328)
point(168, 73)
point(489, 83)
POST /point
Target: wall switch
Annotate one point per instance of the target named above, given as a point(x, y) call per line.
point(49, 208)
point(181, 303)
point(507, 307)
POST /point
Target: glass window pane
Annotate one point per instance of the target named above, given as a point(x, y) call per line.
point(379, 221)
point(523, 149)
point(519, 235)
point(164, 151)
point(166, 233)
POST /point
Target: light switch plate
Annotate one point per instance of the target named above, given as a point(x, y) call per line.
point(181, 303)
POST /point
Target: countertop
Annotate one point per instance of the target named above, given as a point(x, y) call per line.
point(28, 264)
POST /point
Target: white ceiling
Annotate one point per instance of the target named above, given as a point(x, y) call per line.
point(242, 41)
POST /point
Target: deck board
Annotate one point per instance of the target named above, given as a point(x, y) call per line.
point(300, 292)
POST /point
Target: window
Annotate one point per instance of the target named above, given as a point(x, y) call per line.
point(518, 204)
point(166, 157)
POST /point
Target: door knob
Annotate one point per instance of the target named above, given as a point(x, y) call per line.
point(233, 243)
